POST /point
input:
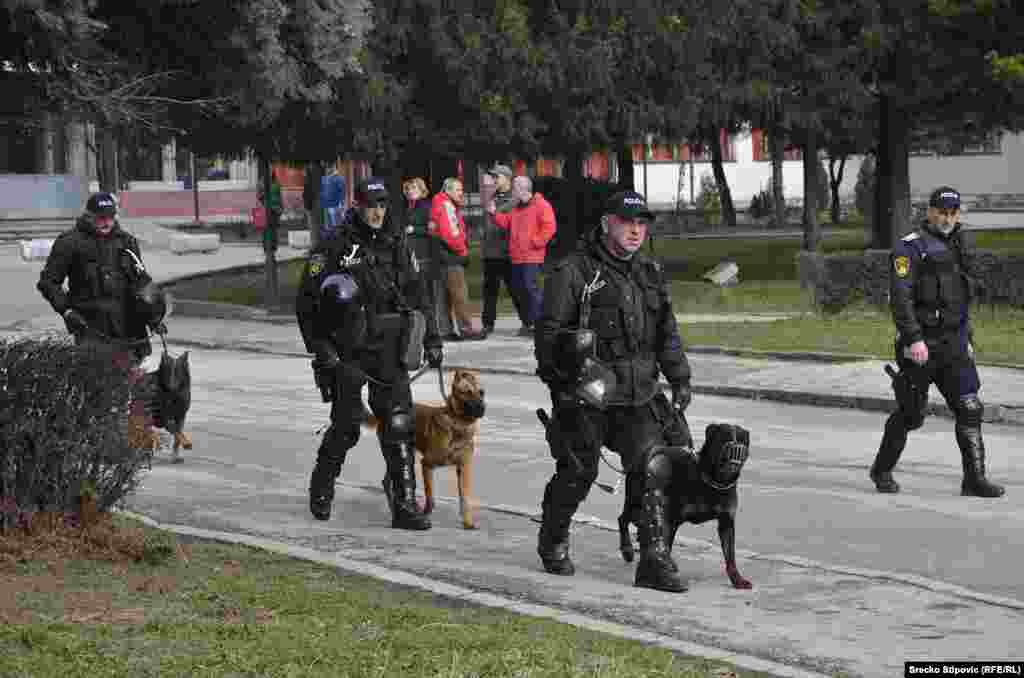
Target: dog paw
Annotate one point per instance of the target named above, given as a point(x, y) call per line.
point(739, 581)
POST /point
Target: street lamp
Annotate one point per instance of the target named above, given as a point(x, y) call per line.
point(648, 140)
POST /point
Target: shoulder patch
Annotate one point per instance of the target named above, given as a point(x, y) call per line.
point(910, 237)
point(901, 266)
point(316, 264)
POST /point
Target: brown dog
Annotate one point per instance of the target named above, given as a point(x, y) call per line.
point(446, 435)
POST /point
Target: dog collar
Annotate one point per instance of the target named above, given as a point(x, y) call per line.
point(714, 484)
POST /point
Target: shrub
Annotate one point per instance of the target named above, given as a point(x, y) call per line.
point(761, 204)
point(63, 423)
point(822, 190)
point(864, 191)
point(709, 200)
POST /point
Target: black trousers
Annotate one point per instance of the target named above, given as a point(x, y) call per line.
point(630, 431)
point(496, 272)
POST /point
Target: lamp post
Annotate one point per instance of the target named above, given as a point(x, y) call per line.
point(648, 140)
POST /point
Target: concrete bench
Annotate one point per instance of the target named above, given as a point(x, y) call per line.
point(35, 249)
point(184, 243)
point(299, 240)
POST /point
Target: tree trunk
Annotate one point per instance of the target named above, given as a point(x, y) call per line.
point(812, 230)
point(835, 180)
point(569, 226)
point(724, 194)
point(271, 297)
point(777, 150)
point(195, 185)
point(892, 196)
point(106, 161)
point(624, 160)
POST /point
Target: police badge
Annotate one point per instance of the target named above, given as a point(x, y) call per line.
point(902, 266)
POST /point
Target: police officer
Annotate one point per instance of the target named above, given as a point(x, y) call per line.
point(606, 331)
point(362, 309)
point(930, 298)
point(110, 297)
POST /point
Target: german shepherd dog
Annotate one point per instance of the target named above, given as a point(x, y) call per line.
point(173, 400)
point(447, 435)
point(702, 488)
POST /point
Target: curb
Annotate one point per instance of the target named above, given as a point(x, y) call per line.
point(483, 599)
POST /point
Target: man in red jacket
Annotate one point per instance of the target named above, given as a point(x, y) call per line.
point(531, 225)
point(447, 224)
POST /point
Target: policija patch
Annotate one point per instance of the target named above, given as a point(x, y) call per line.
point(902, 266)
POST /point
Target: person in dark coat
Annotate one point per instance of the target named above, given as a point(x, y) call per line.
point(930, 295)
point(357, 306)
point(608, 394)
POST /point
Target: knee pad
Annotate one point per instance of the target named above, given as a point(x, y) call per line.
point(658, 467)
point(400, 424)
point(969, 411)
point(338, 441)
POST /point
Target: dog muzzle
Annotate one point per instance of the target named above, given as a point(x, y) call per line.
point(474, 408)
point(725, 467)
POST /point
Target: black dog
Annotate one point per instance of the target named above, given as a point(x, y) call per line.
point(703, 487)
point(173, 398)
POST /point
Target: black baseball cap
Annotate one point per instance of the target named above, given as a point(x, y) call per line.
point(628, 205)
point(371, 191)
point(945, 197)
point(101, 204)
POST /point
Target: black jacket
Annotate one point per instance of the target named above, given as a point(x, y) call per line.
point(102, 278)
point(930, 289)
point(388, 276)
point(631, 315)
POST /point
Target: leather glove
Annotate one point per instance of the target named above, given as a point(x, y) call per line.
point(75, 322)
point(160, 328)
point(681, 396)
point(563, 399)
point(434, 356)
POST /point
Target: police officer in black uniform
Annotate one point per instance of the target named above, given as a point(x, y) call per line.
point(362, 310)
point(606, 331)
point(110, 297)
point(930, 298)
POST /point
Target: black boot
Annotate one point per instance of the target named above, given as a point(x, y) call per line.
point(893, 441)
point(972, 453)
point(656, 569)
point(400, 487)
point(329, 459)
point(553, 539)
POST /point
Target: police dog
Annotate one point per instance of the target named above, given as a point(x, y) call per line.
point(703, 487)
point(447, 435)
point(173, 400)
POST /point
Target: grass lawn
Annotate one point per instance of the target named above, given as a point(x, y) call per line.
point(151, 605)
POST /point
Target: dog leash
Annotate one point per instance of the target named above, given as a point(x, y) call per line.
point(440, 378)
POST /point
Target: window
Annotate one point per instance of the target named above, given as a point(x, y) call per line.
point(681, 152)
point(547, 167)
point(762, 152)
point(702, 153)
